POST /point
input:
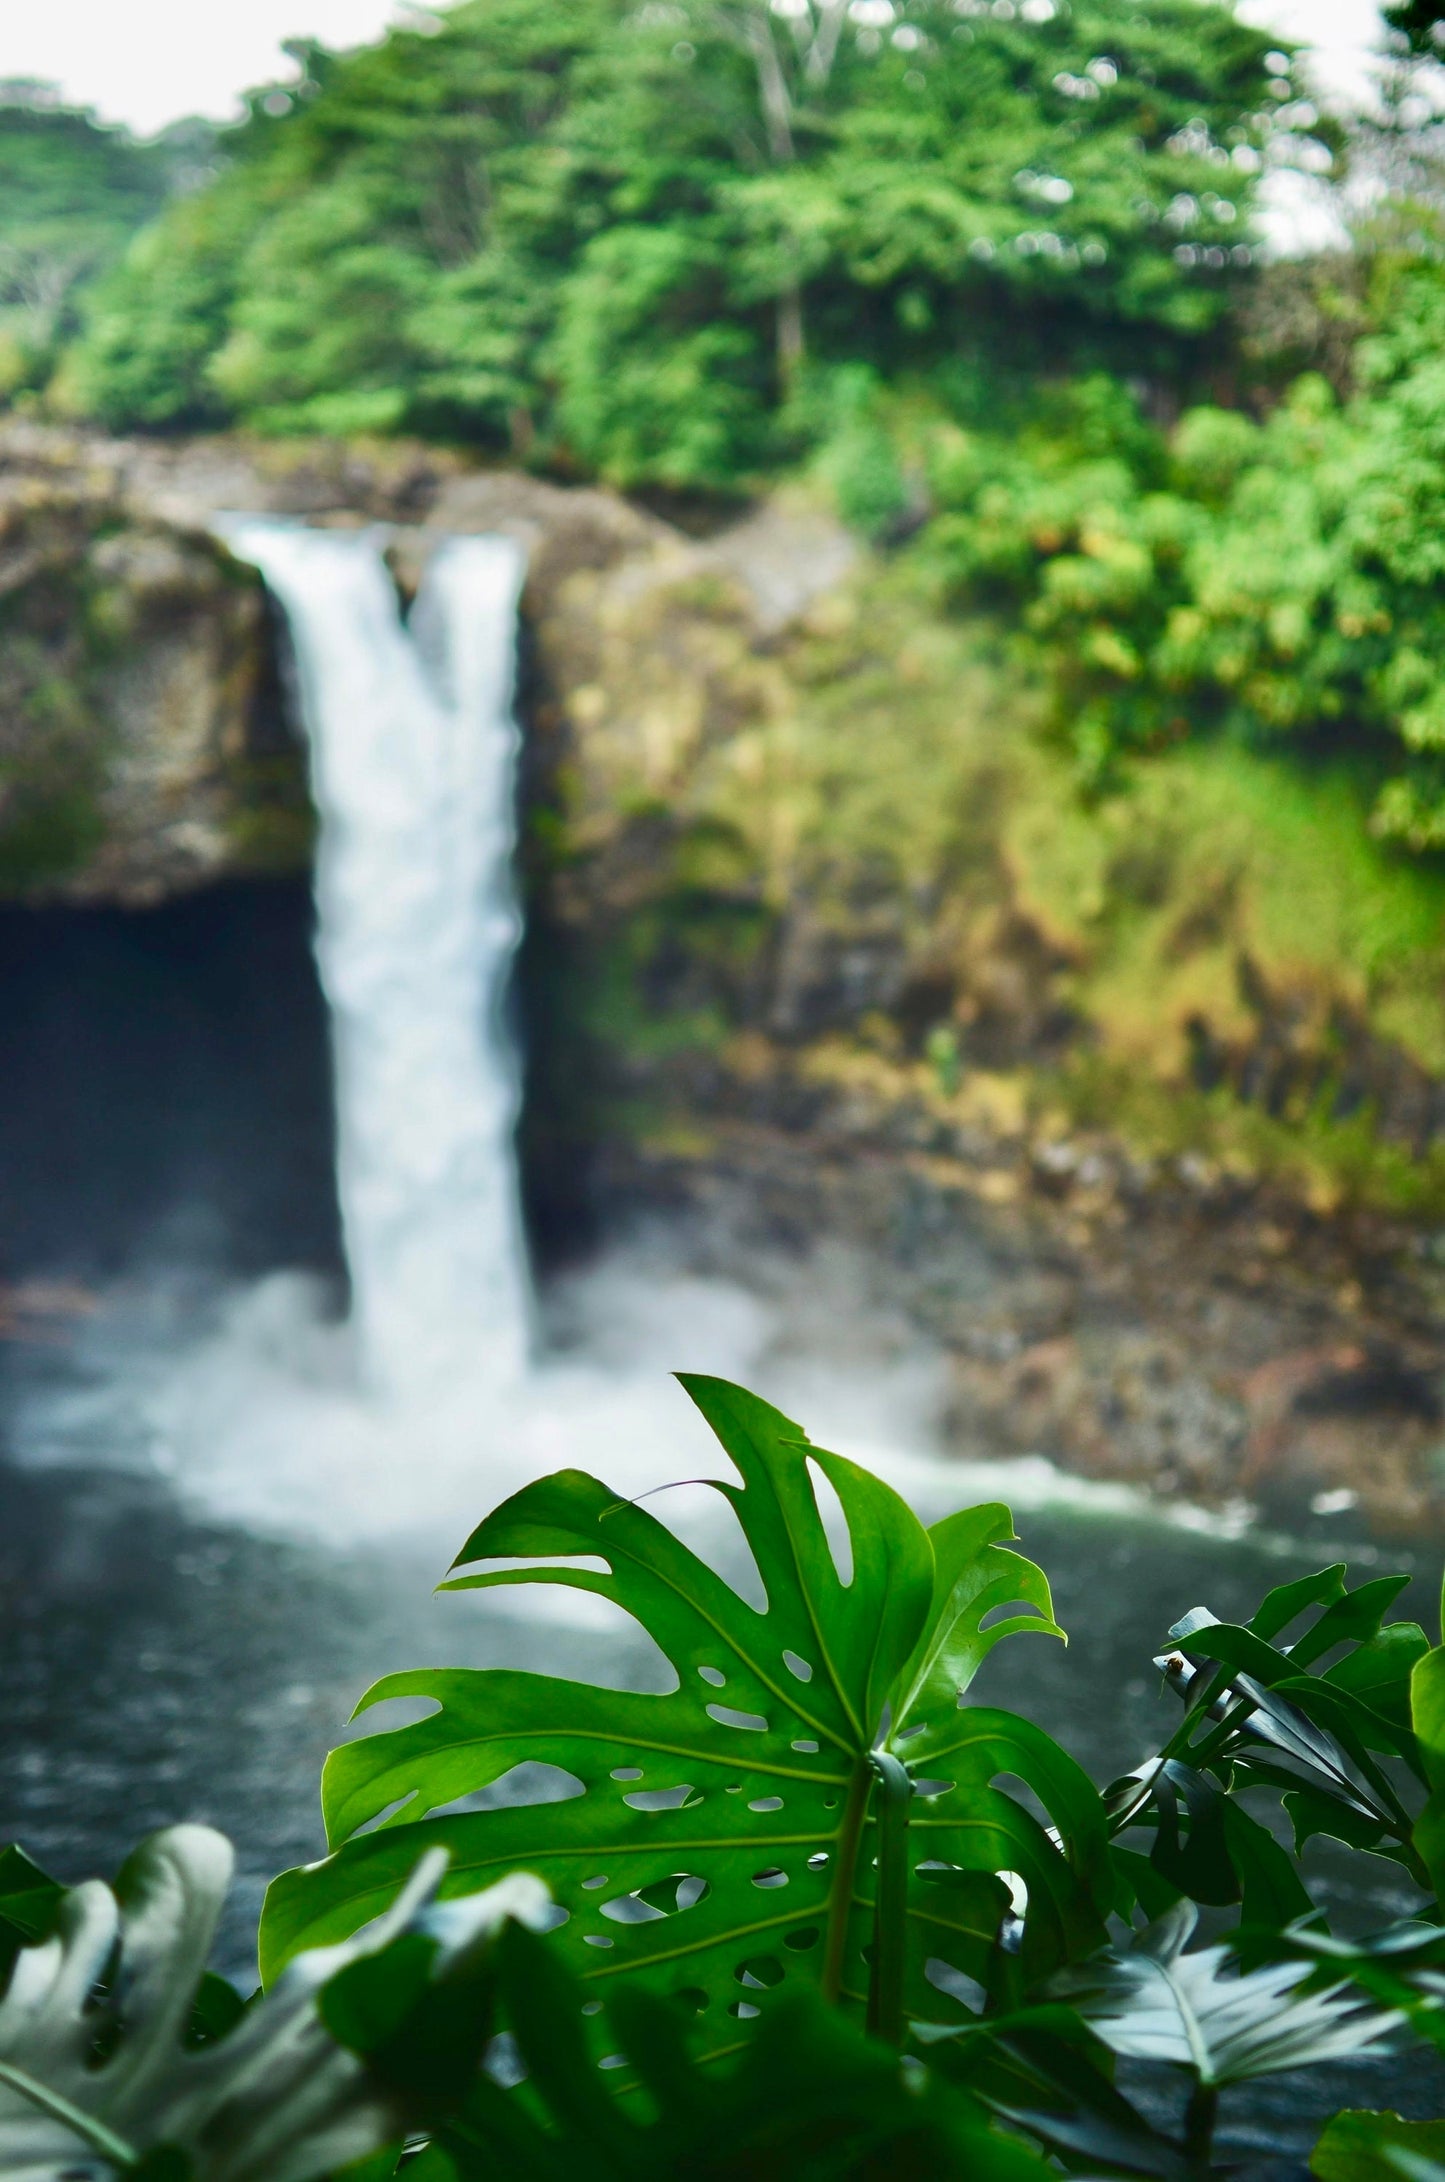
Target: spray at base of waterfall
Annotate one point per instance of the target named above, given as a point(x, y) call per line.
point(260, 1416)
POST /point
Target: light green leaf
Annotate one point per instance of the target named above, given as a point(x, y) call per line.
point(1363, 2147)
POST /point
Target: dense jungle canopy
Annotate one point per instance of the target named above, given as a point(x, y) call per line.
point(990, 269)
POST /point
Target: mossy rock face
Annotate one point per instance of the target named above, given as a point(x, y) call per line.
point(751, 836)
point(142, 743)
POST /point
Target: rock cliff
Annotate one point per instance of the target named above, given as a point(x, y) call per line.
point(1137, 1109)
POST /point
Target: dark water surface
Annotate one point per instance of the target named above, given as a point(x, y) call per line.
point(156, 1666)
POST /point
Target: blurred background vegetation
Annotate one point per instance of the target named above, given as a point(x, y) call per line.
point(990, 275)
point(992, 271)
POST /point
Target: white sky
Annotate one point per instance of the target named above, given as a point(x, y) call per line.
point(148, 61)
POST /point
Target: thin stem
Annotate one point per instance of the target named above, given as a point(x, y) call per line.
point(890, 1906)
point(845, 1874)
point(86, 2126)
point(1199, 2123)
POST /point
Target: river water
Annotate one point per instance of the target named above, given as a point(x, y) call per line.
point(224, 1499)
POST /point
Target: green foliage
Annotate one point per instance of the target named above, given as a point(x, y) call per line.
point(72, 193)
point(1150, 2001)
point(1275, 577)
point(721, 1842)
point(810, 2097)
point(114, 2047)
point(1363, 2147)
point(610, 237)
point(959, 1977)
point(1258, 1716)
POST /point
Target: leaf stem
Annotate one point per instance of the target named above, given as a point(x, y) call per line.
point(1199, 2123)
point(845, 1868)
point(890, 1907)
point(86, 2126)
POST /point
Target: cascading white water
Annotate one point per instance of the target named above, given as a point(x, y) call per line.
point(412, 750)
point(262, 1412)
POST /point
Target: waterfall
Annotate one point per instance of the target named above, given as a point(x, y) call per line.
point(403, 1425)
point(412, 754)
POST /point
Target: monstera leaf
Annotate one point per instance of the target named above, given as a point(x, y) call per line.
point(97, 2062)
point(1153, 2002)
point(812, 1803)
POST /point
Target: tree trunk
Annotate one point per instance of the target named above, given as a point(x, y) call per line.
point(792, 341)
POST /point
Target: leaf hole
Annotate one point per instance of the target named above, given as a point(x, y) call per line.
point(599, 1879)
point(957, 1984)
point(627, 1772)
point(596, 1939)
point(713, 1675)
point(906, 1734)
point(591, 2007)
point(923, 1787)
point(631, 1909)
point(805, 1745)
point(393, 1713)
point(527, 1783)
point(817, 1860)
point(761, 1972)
point(798, 1668)
point(693, 1997)
point(501, 1564)
point(772, 1877)
point(1021, 1792)
point(613, 2060)
point(680, 1890)
point(834, 1522)
point(1008, 1611)
point(800, 1941)
point(766, 1803)
point(391, 1810)
point(663, 1799)
point(742, 2009)
point(727, 1716)
point(501, 2060)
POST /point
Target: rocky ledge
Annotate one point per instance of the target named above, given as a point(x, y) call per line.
point(145, 746)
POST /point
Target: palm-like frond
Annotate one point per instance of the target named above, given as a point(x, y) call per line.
point(1153, 2001)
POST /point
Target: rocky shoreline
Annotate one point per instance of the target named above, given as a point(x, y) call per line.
point(1169, 1327)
